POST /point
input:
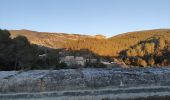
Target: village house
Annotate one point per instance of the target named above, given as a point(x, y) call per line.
point(76, 60)
point(71, 60)
point(80, 61)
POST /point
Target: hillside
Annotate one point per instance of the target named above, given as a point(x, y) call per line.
point(19, 53)
point(114, 45)
point(52, 40)
point(140, 48)
point(154, 51)
point(98, 44)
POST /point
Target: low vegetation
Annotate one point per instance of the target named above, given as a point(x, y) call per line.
point(154, 51)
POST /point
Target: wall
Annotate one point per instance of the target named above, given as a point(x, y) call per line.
point(79, 79)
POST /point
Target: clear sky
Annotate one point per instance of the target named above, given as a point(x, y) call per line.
point(107, 17)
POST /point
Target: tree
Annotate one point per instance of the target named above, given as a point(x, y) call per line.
point(151, 61)
point(6, 49)
point(161, 43)
point(25, 54)
point(141, 62)
point(149, 48)
point(61, 65)
point(4, 36)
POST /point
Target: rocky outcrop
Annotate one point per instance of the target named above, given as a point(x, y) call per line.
point(81, 79)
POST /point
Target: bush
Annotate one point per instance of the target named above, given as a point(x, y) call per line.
point(61, 65)
point(141, 62)
point(95, 65)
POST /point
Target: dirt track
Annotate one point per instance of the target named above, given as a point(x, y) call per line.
point(135, 93)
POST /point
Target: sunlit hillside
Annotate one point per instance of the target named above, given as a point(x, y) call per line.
point(52, 40)
point(112, 46)
point(99, 45)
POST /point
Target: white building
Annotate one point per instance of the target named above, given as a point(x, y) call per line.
point(80, 61)
point(73, 61)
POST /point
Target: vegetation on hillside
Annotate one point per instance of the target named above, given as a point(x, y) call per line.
point(114, 45)
point(50, 40)
point(154, 51)
point(142, 48)
point(103, 46)
point(18, 53)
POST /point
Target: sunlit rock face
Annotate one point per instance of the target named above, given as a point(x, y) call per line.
point(79, 79)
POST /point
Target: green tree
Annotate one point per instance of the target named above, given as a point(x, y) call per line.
point(26, 55)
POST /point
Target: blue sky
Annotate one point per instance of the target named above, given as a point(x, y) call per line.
point(107, 17)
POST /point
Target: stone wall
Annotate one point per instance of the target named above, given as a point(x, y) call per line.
point(79, 79)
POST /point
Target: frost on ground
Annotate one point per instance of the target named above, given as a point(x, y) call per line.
point(81, 79)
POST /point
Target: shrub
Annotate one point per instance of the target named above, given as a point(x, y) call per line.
point(61, 65)
point(95, 65)
point(141, 62)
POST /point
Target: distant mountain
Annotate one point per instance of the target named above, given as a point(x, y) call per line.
point(52, 40)
point(98, 44)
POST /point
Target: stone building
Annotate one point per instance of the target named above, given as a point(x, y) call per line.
point(80, 61)
point(73, 61)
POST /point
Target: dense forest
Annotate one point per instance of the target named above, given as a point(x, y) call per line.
point(154, 51)
point(114, 45)
point(22, 49)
